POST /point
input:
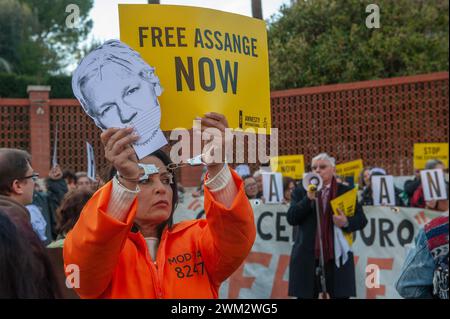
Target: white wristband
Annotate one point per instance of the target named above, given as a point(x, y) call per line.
point(116, 181)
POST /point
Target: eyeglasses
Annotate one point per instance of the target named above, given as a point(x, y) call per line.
point(251, 185)
point(165, 178)
point(319, 166)
point(34, 177)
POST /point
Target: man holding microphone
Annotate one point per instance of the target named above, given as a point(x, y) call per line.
point(331, 247)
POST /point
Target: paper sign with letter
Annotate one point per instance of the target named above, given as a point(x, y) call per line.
point(352, 169)
point(117, 88)
point(272, 187)
point(289, 165)
point(426, 151)
point(383, 192)
point(433, 183)
point(90, 162)
point(207, 60)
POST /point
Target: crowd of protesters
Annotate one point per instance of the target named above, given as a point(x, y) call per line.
point(37, 214)
point(410, 196)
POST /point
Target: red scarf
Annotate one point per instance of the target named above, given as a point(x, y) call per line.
point(326, 223)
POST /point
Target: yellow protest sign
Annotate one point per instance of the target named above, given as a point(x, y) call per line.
point(426, 151)
point(346, 203)
point(289, 165)
point(206, 60)
point(352, 169)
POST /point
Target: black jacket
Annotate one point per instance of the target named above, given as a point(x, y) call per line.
point(301, 213)
point(48, 203)
point(410, 186)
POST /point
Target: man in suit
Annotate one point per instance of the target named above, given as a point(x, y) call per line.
point(304, 279)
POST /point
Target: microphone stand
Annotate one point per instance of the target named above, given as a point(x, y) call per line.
point(320, 271)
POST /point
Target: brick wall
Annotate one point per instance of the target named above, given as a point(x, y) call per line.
point(378, 121)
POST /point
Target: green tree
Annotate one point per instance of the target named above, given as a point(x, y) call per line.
point(17, 23)
point(62, 39)
point(35, 38)
point(316, 42)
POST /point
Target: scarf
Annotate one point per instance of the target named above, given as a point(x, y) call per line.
point(326, 223)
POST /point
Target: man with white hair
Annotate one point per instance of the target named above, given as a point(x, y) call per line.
point(304, 281)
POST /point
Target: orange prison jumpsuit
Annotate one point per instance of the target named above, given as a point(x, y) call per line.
point(193, 258)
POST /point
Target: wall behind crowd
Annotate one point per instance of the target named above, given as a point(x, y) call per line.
point(378, 121)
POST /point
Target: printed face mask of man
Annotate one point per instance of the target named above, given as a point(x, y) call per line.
point(120, 99)
point(117, 88)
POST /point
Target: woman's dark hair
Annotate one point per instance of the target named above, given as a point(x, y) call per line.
point(70, 176)
point(13, 165)
point(111, 171)
point(432, 163)
point(361, 182)
point(286, 181)
point(70, 209)
point(166, 161)
point(25, 269)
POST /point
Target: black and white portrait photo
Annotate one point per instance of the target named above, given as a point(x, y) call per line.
point(117, 88)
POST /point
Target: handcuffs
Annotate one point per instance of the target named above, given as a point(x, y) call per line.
point(151, 169)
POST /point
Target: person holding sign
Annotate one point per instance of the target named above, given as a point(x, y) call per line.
point(415, 187)
point(339, 265)
point(48, 202)
point(288, 188)
point(367, 197)
point(435, 190)
point(125, 243)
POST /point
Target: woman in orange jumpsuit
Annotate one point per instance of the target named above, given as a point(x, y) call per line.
point(124, 243)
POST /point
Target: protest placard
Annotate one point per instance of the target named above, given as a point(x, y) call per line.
point(289, 165)
point(207, 60)
point(350, 169)
point(433, 184)
point(272, 187)
point(90, 162)
point(426, 151)
point(383, 191)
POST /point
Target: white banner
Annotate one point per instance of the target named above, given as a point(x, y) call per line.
point(381, 245)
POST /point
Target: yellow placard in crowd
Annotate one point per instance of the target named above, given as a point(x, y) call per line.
point(346, 203)
point(207, 61)
point(352, 169)
point(426, 151)
point(289, 165)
